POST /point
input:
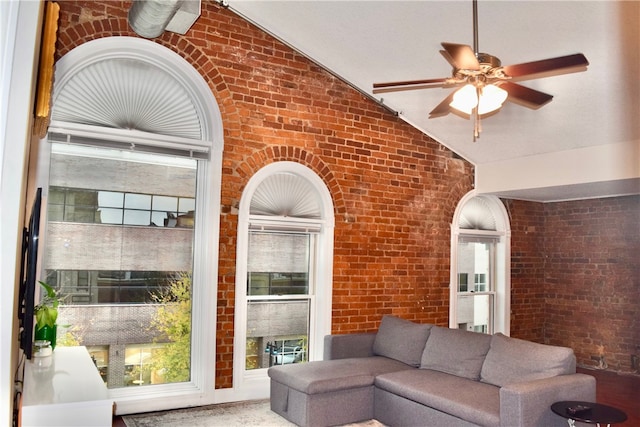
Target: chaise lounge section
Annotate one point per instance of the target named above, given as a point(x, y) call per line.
point(410, 374)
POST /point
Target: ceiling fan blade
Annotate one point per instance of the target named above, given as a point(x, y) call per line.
point(408, 85)
point(443, 108)
point(461, 56)
point(547, 67)
point(525, 96)
point(448, 57)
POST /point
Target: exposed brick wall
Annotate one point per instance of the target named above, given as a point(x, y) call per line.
point(527, 269)
point(394, 189)
point(592, 279)
point(576, 277)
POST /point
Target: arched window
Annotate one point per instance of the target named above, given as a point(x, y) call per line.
point(480, 259)
point(283, 280)
point(134, 158)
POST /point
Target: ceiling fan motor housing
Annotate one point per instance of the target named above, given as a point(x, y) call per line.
point(488, 60)
point(489, 70)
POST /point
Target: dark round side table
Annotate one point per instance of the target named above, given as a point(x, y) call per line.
point(588, 412)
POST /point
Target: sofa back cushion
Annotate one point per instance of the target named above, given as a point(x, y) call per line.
point(455, 351)
point(513, 360)
point(401, 340)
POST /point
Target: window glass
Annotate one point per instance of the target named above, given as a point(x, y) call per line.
point(124, 274)
point(82, 197)
point(110, 216)
point(164, 203)
point(475, 259)
point(137, 201)
point(278, 330)
point(100, 356)
point(110, 286)
point(109, 199)
point(480, 282)
point(463, 285)
point(56, 197)
point(475, 312)
point(132, 217)
point(187, 205)
point(109, 207)
point(278, 264)
point(139, 367)
point(277, 333)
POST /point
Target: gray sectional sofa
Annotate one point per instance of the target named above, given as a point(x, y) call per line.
point(410, 374)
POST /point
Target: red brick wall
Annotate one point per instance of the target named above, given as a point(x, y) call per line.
point(527, 269)
point(394, 189)
point(592, 279)
point(576, 277)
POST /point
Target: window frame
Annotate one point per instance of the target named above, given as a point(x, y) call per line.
point(501, 271)
point(136, 399)
point(254, 384)
point(209, 179)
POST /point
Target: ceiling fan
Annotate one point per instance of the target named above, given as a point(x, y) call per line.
point(484, 84)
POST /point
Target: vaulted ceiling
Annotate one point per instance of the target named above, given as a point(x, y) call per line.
point(583, 144)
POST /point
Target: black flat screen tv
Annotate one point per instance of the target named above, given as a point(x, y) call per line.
point(28, 273)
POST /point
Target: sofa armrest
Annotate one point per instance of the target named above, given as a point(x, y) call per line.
point(343, 346)
point(529, 403)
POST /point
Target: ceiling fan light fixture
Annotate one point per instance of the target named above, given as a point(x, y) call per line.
point(465, 99)
point(491, 98)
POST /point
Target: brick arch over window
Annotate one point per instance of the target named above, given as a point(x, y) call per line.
point(457, 192)
point(294, 154)
point(71, 36)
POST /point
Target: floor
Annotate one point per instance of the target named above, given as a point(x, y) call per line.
point(621, 391)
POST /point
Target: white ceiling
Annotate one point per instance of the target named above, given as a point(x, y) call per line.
point(377, 41)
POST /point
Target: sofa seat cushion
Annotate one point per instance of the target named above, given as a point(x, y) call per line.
point(512, 360)
point(472, 401)
point(333, 375)
point(455, 351)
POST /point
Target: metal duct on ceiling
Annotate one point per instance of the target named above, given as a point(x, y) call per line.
point(150, 18)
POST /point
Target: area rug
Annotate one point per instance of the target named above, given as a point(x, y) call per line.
point(243, 414)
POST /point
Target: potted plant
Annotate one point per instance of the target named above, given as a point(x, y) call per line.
point(46, 315)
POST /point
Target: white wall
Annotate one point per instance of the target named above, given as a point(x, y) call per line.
point(609, 169)
point(20, 38)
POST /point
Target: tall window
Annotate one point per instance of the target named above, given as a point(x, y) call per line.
point(480, 266)
point(135, 193)
point(283, 287)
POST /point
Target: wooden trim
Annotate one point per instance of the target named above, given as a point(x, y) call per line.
point(45, 69)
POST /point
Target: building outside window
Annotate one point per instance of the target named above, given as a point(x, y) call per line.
point(476, 259)
point(120, 235)
point(110, 207)
point(279, 293)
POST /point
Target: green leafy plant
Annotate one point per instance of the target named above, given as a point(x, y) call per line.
point(173, 321)
point(47, 311)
